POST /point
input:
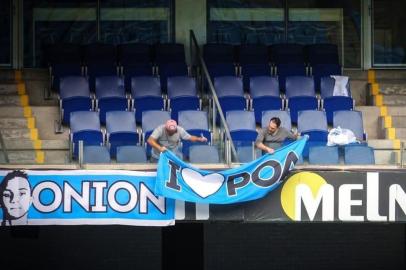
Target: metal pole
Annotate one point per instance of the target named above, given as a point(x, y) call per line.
point(3, 146)
point(80, 158)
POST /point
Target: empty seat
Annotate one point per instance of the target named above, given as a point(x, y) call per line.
point(287, 54)
point(150, 121)
point(323, 155)
point(133, 54)
point(182, 95)
point(131, 154)
point(324, 70)
point(170, 53)
point(359, 155)
point(265, 95)
point(252, 70)
point(74, 95)
point(218, 53)
point(100, 53)
point(245, 153)
point(242, 126)
point(284, 116)
point(195, 123)
point(322, 54)
point(121, 130)
point(300, 95)
point(253, 54)
point(230, 93)
point(94, 70)
point(285, 70)
point(203, 154)
point(351, 120)
point(110, 95)
point(167, 70)
point(331, 103)
point(96, 154)
point(137, 70)
point(147, 95)
point(221, 69)
point(314, 124)
point(85, 126)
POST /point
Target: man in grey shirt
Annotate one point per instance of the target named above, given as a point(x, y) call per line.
point(167, 137)
point(273, 136)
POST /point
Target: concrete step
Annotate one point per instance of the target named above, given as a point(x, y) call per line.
point(382, 144)
point(392, 87)
point(15, 123)
point(25, 157)
point(21, 133)
point(400, 133)
point(396, 110)
point(8, 89)
point(26, 74)
point(23, 144)
point(370, 116)
point(382, 75)
point(11, 111)
point(385, 152)
point(9, 100)
point(393, 100)
point(393, 121)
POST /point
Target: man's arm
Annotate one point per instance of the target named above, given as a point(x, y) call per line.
point(264, 148)
point(154, 143)
point(197, 139)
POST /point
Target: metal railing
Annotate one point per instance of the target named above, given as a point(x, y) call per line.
point(3, 149)
point(197, 60)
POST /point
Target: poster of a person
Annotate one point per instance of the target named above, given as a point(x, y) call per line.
point(15, 198)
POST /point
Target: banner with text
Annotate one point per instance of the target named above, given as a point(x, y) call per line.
point(179, 180)
point(82, 197)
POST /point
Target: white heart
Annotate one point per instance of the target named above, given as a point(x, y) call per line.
point(203, 186)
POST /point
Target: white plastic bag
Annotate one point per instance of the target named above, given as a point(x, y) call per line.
point(340, 85)
point(340, 136)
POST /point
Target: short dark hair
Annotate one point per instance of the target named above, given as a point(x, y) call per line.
point(276, 120)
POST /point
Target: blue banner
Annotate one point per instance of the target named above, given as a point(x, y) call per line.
point(82, 197)
point(178, 180)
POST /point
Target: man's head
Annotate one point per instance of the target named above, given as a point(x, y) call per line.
point(15, 195)
point(171, 126)
point(274, 124)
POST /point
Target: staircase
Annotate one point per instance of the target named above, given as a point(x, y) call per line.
point(19, 123)
point(387, 90)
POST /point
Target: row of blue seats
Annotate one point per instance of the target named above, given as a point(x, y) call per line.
point(300, 94)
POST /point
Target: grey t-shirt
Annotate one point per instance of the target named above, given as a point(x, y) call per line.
point(275, 139)
point(170, 142)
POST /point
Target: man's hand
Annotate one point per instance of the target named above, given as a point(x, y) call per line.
point(270, 150)
point(163, 149)
point(202, 139)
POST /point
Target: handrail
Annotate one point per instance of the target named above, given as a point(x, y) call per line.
point(213, 92)
point(3, 146)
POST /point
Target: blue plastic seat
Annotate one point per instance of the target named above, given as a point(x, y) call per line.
point(61, 70)
point(341, 119)
point(287, 53)
point(301, 95)
point(94, 70)
point(182, 95)
point(323, 155)
point(322, 53)
point(253, 54)
point(131, 154)
point(147, 95)
point(166, 53)
point(359, 155)
point(137, 70)
point(253, 70)
point(132, 54)
point(284, 116)
point(285, 70)
point(324, 70)
point(167, 70)
point(218, 53)
point(121, 130)
point(242, 126)
point(221, 69)
point(203, 154)
point(110, 95)
point(195, 123)
point(85, 126)
point(230, 93)
point(265, 95)
point(96, 154)
point(331, 103)
point(74, 96)
point(150, 121)
point(314, 124)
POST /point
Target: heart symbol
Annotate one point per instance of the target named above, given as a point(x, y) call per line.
point(203, 186)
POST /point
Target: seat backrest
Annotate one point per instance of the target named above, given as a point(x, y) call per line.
point(64, 53)
point(120, 121)
point(74, 86)
point(228, 86)
point(323, 155)
point(287, 53)
point(152, 119)
point(203, 154)
point(284, 116)
point(131, 154)
point(241, 120)
point(96, 154)
point(322, 54)
point(181, 86)
point(109, 86)
point(218, 53)
point(299, 86)
point(193, 120)
point(170, 53)
point(253, 54)
point(84, 120)
point(311, 120)
point(95, 53)
point(264, 86)
point(359, 155)
point(351, 120)
point(134, 53)
point(145, 86)
point(327, 87)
